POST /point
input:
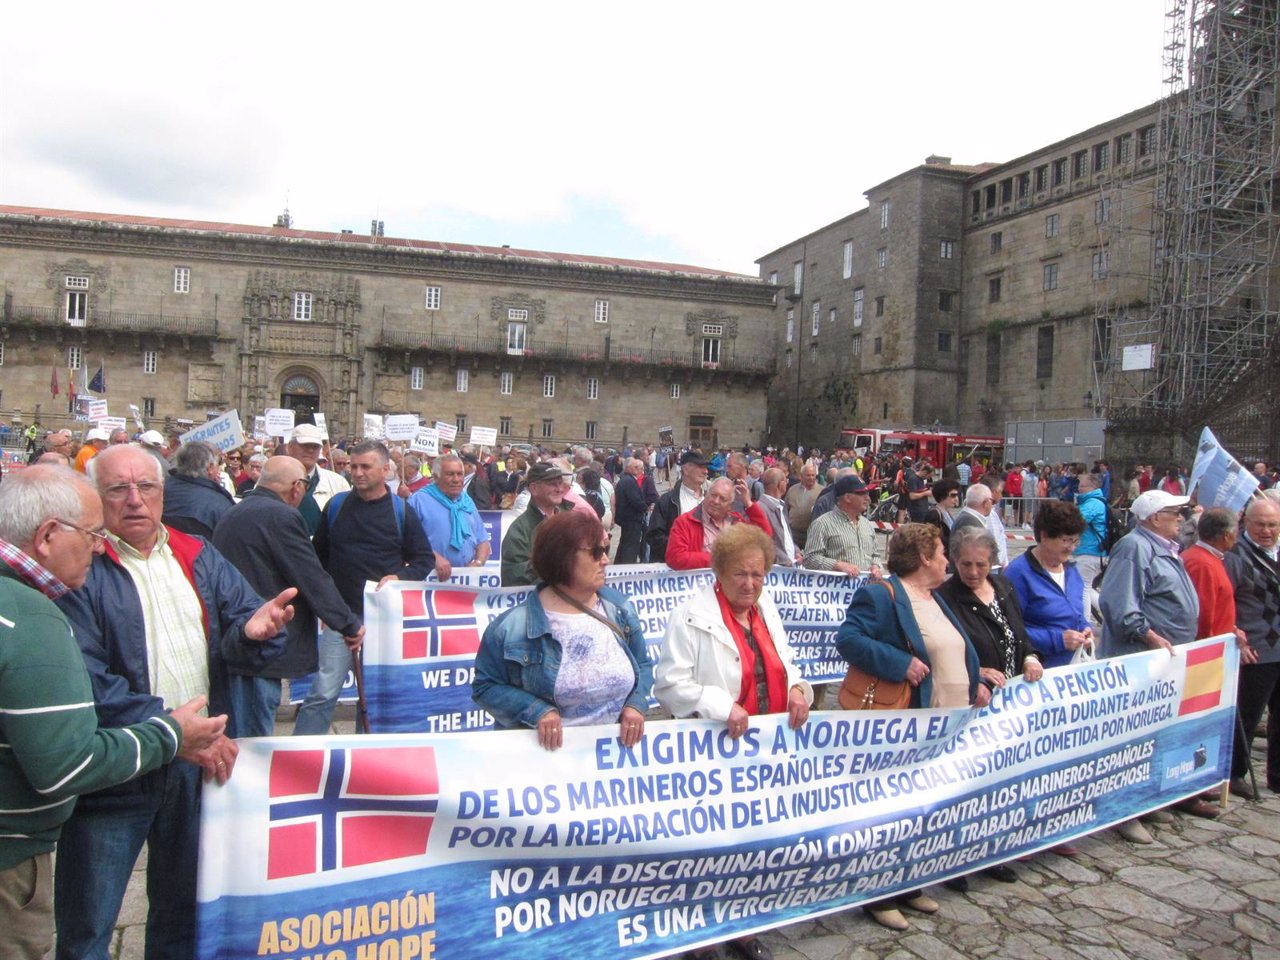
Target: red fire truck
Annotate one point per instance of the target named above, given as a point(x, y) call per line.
point(938, 448)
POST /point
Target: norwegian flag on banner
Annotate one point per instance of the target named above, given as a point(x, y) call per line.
point(439, 623)
point(338, 808)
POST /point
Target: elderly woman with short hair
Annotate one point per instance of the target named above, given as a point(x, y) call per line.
point(901, 629)
point(987, 607)
point(726, 656)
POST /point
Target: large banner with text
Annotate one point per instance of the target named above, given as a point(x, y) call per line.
point(481, 845)
point(421, 638)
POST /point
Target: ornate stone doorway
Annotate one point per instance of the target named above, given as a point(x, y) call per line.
point(301, 394)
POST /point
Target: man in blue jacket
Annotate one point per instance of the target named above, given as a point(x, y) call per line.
point(160, 618)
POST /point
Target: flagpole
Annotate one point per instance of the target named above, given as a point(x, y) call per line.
point(362, 705)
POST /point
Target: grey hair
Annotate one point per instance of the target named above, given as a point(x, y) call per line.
point(30, 497)
point(195, 458)
point(970, 534)
point(91, 468)
point(976, 493)
point(258, 460)
point(1216, 522)
point(444, 458)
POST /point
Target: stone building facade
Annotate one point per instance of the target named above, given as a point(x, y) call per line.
point(965, 296)
point(191, 319)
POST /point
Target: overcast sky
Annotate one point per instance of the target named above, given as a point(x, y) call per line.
point(695, 132)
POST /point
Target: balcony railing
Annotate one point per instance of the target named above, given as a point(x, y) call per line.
point(117, 322)
point(607, 352)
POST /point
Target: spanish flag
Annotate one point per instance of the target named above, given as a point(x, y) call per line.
point(1202, 685)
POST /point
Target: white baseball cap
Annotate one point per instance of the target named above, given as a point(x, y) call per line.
point(1153, 501)
point(152, 438)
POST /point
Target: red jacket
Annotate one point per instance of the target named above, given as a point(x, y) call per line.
point(685, 550)
point(1217, 596)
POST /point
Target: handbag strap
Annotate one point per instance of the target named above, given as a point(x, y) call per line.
point(893, 598)
point(588, 611)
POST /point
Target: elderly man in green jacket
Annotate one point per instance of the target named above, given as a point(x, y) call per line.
point(50, 529)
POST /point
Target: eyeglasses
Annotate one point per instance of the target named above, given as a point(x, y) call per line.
point(233, 456)
point(97, 536)
point(597, 552)
point(120, 491)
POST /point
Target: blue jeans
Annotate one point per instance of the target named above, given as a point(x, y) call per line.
point(316, 711)
point(254, 701)
point(97, 852)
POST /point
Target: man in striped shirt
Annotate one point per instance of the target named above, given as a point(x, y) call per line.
point(844, 541)
point(51, 748)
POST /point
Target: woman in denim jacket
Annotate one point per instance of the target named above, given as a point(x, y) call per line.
point(573, 653)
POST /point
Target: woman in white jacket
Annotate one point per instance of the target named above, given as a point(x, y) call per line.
point(724, 626)
point(726, 657)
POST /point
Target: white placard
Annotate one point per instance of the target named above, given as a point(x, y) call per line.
point(448, 432)
point(426, 441)
point(278, 422)
point(401, 426)
point(373, 426)
point(484, 436)
point(1139, 357)
point(320, 422)
point(97, 409)
point(223, 432)
point(111, 423)
point(136, 414)
point(260, 428)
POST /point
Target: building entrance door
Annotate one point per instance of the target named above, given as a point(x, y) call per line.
point(702, 432)
point(301, 395)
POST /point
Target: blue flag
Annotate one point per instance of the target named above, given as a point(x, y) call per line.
point(99, 382)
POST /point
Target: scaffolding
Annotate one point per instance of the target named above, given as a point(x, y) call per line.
point(1213, 305)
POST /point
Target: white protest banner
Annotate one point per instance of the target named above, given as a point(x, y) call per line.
point(223, 432)
point(400, 426)
point(426, 440)
point(97, 409)
point(373, 426)
point(457, 845)
point(484, 436)
point(420, 637)
point(1217, 478)
point(322, 424)
point(111, 423)
point(278, 421)
point(260, 428)
point(448, 432)
point(136, 414)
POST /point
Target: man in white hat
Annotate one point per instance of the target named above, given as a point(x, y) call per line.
point(152, 441)
point(95, 441)
point(305, 446)
point(1148, 602)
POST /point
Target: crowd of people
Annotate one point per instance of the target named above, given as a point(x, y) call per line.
point(154, 595)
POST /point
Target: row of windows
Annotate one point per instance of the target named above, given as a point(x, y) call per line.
point(75, 359)
point(78, 299)
point(590, 430)
point(506, 382)
point(1096, 159)
point(1100, 269)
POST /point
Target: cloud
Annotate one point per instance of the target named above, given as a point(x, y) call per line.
point(708, 133)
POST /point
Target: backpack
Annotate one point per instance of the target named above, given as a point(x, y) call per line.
point(594, 498)
point(1115, 529)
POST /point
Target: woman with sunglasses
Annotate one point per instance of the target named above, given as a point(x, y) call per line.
point(573, 653)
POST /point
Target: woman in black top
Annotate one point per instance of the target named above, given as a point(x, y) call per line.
point(987, 607)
